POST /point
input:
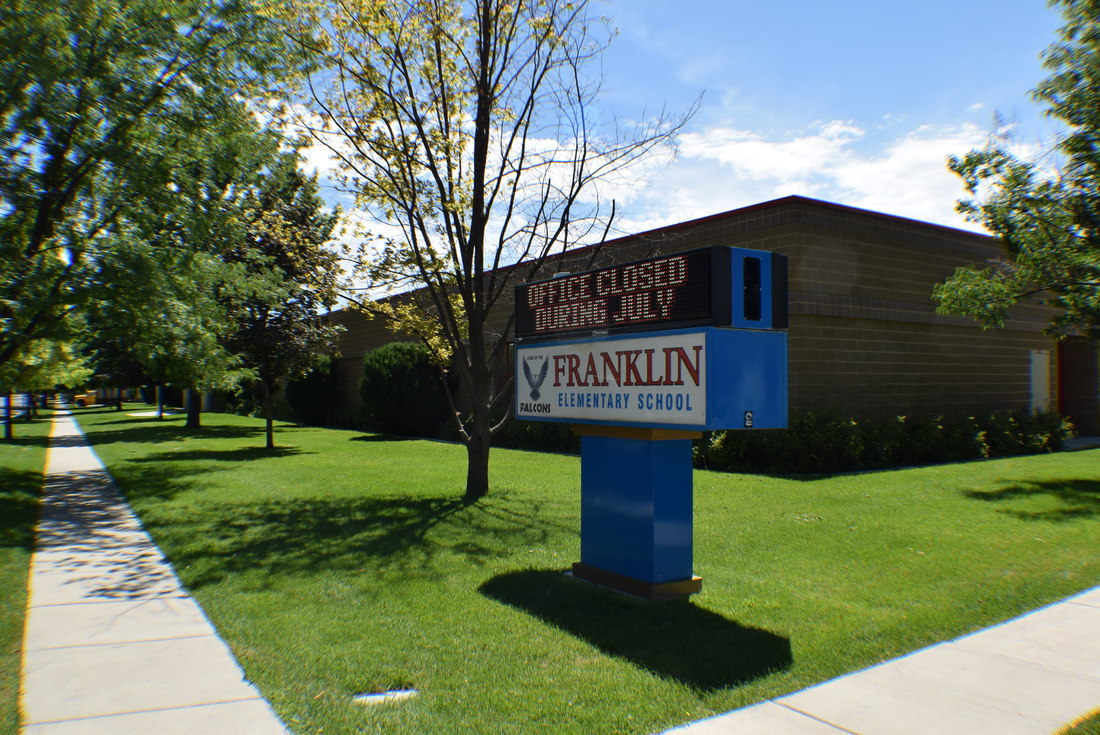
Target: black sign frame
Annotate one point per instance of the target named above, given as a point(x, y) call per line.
point(638, 296)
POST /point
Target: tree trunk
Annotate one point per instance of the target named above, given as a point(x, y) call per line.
point(478, 444)
point(160, 402)
point(118, 398)
point(9, 430)
point(269, 415)
point(194, 409)
point(32, 408)
point(477, 468)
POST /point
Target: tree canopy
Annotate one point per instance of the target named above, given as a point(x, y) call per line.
point(1048, 221)
point(470, 132)
point(279, 329)
point(104, 106)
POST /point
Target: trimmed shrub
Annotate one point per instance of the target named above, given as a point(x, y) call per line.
point(538, 436)
point(823, 441)
point(402, 392)
point(313, 397)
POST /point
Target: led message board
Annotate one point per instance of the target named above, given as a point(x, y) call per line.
point(685, 289)
point(683, 343)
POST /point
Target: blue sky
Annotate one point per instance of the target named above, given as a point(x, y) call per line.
point(858, 102)
point(853, 101)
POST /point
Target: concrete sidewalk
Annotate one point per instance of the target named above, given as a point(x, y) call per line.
point(1028, 676)
point(113, 644)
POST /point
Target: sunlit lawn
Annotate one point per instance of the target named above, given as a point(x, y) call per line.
point(347, 563)
point(1087, 725)
point(21, 465)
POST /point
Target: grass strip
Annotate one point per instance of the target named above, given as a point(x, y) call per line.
point(1087, 725)
point(21, 464)
point(345, 563)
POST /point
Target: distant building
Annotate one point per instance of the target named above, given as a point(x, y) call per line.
point(864, 334)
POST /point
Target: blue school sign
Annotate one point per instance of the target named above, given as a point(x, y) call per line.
point(641, 358)
point(695, 380)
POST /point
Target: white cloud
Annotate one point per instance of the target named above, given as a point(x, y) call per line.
point(750, 155)
point(724, 168)
point(319, 158)
point(323, 153)
point(910, 177)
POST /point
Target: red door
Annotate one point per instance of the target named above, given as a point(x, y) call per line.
point(1079, 385)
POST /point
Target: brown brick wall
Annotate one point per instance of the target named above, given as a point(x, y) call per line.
point(880, 368)
point(361, 334)
point(864, 334)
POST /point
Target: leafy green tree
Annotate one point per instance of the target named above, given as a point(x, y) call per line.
point(114, 368)
point(99, 100)
point(43, 364)
point(280, 331)
point(163, 309)
point(167, 289)
point(1048, 222)
point(469, 129)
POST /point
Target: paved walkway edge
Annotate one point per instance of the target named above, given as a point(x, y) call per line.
point(113, 643)
point(1031, 675)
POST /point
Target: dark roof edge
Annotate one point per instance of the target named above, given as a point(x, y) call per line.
point(782, 201)
point(792, 199)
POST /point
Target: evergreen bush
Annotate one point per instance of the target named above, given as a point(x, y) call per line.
point(313, 397)
point(402, 392)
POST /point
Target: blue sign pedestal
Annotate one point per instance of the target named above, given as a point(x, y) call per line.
point(636, 510)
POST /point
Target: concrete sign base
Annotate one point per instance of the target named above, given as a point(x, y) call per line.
point(637, 587)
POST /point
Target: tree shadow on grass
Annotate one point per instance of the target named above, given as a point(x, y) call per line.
point(379, 536)
point(675, 639)
point(1076, 498)
point(169, 418)
point(25, 441)
point(19, 492)
point(144, 433)
point(374, 438)
point(78, 411)
point(372, 533)
point(239, 454)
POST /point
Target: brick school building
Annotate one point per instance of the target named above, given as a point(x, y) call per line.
point(864, 335)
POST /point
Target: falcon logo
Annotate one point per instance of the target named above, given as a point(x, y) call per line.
point(532, 381)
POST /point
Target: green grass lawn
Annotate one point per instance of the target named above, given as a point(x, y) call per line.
point(1087, 725)
point(347, 563)
point(21, 465)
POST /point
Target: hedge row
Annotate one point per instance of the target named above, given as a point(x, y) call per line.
point(538, 436)
point(402, 395)
point(825, 441)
